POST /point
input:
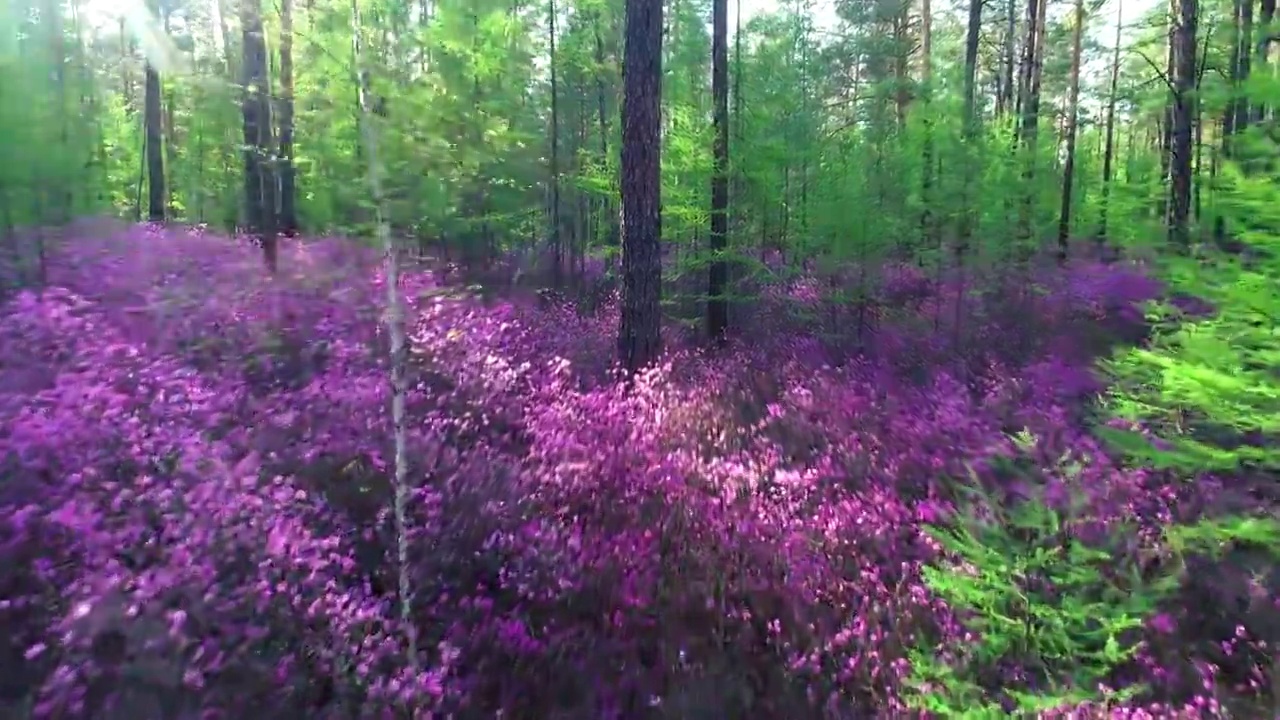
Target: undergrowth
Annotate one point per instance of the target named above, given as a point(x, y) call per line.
point(804, 525)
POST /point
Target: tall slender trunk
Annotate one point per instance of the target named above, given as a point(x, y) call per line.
point(1027, 64)
point(396, 334)
point(557, 250)
point(718, 271)
point(1166, 123)
point(1030, 129)
point(1183, 114)
point(1266, 33)
point(639, 339)
point(1244, 65)
point(1230, 115)
point(1073, 118)
point(608, 214)
point(1108, 156)
point(1037, 76)
point(259, 180)
point(288, 174)
point(970, 120)
point(126, 79)
point(153, 119)
point(1010, 41)
point(62, 198)
point(927, 228)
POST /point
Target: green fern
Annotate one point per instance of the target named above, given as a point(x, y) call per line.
point(1035, 595)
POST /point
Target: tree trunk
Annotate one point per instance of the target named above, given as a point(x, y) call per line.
point(1181, 134)
point(399, 347)
point(288, 174)
point(1244, 65)
point(639, 339)
point(557, 250)
point(1108, 155)
point(1235, 116)
point(62, 200)
point(1010, 40)
point(1166, 123)
point(153, 119)
point(1073, 118)
point(972, 36)
point(126, 78)
point(1037, 75)
point(1025, 69)
point(927, 229)
point(608, 214)
point(1030, 129)
point(1265, 33)
point(717, 276)
point(259, 181)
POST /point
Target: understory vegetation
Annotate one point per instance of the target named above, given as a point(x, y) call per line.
point(582, 359)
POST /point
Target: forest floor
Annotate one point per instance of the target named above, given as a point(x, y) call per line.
point(197, 510)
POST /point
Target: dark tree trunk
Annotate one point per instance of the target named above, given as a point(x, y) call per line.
point(1073, 118)
point(1108, 154)
point(63, 200)
point(1037, 74)
point(557, 249)
point(1244, 65)
point(928, 231)
point(288, 174)
point(1010, 43)
point(639, 339)
point(1027, 69)
point(718, 273)
point(153, 119)
point(259, 180)
point(126, 78)
point(1181, 134)
point(1265, 34)
point(608, 214)
point(1030, 130)
point(972, 37)
point(169, 131)
point(1166, 123)
point(1228, 122)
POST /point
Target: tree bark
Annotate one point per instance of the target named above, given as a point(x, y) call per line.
point(1108, 156)
point(927, 229)
point(1010, 41)
point(970, 120)
point(1243, 65)
point(1265, 36)
point(259, 181)
point(718, 271)
point(153, 119)
point(1166, 123)
point(288, 174)
point(639, 339)
point(1073, 117)
point(396, 333)
point(557, 249)
point(1181, 133)
point(608, 213)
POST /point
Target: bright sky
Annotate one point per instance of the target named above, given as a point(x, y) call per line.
point(1103, 28)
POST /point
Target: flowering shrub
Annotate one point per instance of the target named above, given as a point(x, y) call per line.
point(195, 463)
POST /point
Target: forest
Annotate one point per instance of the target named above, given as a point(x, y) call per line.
point(588, 359)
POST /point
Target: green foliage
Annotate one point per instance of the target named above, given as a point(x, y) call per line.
point(1206, 383)
point(1042, 592)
